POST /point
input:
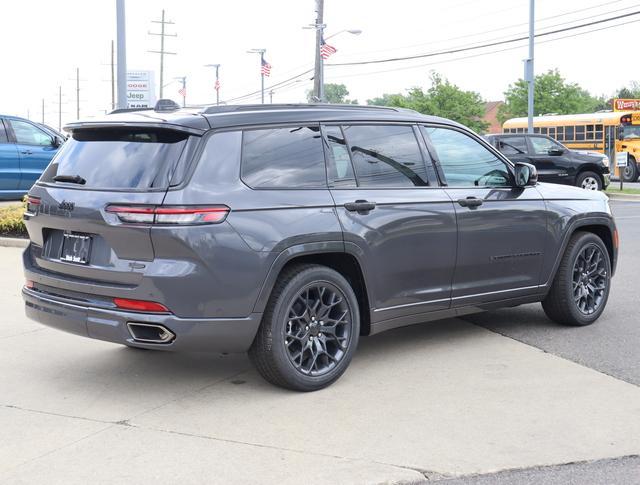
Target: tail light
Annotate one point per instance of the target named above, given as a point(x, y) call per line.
point(33, 204)
point(170, 215)
point(140, 305)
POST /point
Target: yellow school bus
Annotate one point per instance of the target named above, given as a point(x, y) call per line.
point(604, 132)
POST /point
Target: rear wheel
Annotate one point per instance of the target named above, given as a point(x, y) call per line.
point(309, 331)
point(580, 288)
point(630, 172)
point(589, 181)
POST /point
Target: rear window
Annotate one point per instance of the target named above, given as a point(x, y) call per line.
point(119, 158)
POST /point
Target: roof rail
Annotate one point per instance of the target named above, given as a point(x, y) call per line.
point(259, 107)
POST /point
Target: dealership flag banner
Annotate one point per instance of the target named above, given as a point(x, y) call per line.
point(626, 104)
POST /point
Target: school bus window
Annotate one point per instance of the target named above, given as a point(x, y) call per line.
point(552, 132)
point(568, 132)
point(543, 130)
point(520, 130)
point(536, 129)
point(589, 127)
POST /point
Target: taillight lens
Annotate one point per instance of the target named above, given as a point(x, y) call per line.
point(140, 305)
point(33, 204)
point(170, 215)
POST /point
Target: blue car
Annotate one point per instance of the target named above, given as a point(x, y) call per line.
point(26, 148)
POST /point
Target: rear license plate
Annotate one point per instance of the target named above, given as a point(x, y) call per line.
point(76, 248)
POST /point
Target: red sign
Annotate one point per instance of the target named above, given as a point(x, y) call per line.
point(626, 105)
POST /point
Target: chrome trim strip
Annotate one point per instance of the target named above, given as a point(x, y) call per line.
point(411, 304)
point(495, 292)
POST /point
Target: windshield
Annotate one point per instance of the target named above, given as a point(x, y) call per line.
point(117, 158)
point(631, 132)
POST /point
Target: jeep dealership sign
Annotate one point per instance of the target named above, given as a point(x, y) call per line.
point(140, 89)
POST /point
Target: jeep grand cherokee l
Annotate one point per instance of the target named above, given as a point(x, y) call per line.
point(289, 231)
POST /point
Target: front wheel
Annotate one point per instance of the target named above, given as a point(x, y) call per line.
point(589, 181)
point(309, 331)
point(630, 172)
point(580, 289)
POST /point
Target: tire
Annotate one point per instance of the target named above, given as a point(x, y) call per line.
point(568, 306)
point(294, 352)
point(589, 181)
point(630, 172)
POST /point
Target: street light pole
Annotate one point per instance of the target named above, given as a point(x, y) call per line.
point(122, 54)
point(318, 81)
point(529, 70)
point(261, 52)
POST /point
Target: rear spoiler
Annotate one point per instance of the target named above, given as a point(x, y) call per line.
point(133, 124)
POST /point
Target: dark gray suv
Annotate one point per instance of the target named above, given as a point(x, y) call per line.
point(289, 231)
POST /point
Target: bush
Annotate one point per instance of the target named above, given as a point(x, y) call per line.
point(11, 223)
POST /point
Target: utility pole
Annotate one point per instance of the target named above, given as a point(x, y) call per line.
point(162, 52)
point(113, 81)
point(77, 93)
point(318, 81)
point(43, 111)
point(122, 54)
point(529, 67)
point(271, 96)
point(261, 52)
point(59, 108)
point(217, 84)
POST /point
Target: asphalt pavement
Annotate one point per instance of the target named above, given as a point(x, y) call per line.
point(502, 398)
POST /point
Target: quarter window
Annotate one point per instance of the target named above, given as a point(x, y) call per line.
point(3, 134)
point(465, 162)
point(289, 157)
point(386, 156)
point(27, 134)
point(339, 167)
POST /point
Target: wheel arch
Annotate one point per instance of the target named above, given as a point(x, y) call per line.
point(602, 227)
point(589, 168)
point(337, 255)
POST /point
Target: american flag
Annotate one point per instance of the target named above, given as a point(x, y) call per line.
point(265, 69)
point(326, 50)
point(182, 92)
point(217, 85)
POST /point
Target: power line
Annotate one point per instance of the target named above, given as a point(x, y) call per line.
point(491, 44)
point(483, 53)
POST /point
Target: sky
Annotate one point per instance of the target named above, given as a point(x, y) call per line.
point(45, 41)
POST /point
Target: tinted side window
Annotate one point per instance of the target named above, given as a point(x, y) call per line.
point(465, 162)
point(386, 156)
point(339, 168)
point(512, 145)
point(289, 157)
point(27, 134)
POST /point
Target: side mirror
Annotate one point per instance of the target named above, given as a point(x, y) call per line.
point(525, 174)
point(555, 151)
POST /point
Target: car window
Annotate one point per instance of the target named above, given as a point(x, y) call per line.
point(541, 145)
point(340, 170)
point(27, 134)
point(119, 158)
point(386, 156)
point(465, 162)
point(289, 157)
point(512, 145)
point(3, 133)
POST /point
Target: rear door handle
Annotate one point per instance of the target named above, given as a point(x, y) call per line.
point(360, 206)
point(470, 202)
point(26, 152)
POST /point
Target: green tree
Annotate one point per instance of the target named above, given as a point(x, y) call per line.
point(334, 93)
point(551, 94)
point(630, 92)
point(441, 99)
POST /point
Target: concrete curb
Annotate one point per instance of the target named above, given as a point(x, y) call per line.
point(13, 242)
point(633, 197)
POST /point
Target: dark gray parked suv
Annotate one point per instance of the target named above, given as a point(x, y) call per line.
point(289, 231)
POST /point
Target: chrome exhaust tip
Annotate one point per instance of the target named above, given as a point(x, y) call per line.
point(150, 333)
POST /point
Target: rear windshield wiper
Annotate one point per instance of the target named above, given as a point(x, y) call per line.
point(73, 179)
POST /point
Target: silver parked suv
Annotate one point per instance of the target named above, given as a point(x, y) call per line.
point(289, 231)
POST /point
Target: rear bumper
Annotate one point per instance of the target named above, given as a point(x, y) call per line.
point(199, 335)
